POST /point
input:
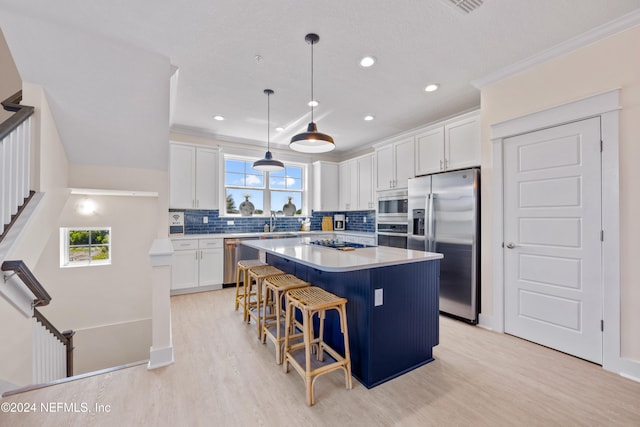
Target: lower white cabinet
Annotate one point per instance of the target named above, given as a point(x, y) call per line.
point(197, 263)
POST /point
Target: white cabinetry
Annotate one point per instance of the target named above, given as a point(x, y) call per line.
point(325, 186)
point(197, 263)
point(430, 151)
point(395, 165)
point(361, 238)
point(356, 184)
point(211, 263)
point(453, 145)
point(193, 177)
point(184, 269)
point(365, 183)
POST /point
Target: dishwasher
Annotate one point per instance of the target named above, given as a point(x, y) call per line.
point(234, 251)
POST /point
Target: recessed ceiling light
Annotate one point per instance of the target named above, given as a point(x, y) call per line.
point(313, 103)
point(367, 61)
point(279, 129)
point(219, 118)
point(431, 87)
point(368, 118)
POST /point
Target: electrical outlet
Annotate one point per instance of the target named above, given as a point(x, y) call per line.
point(364, 219)
point(230, 222)
point(205, 220)
point(377, 297)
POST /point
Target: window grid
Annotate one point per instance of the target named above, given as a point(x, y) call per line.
point(273, 189)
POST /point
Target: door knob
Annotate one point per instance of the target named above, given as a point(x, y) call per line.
point(510, 245)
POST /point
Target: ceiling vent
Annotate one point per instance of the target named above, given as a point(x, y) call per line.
point(465, 6)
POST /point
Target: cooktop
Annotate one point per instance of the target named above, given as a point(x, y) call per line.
point(337, 244)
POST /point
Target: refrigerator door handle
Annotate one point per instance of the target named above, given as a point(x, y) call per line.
point(430, 223)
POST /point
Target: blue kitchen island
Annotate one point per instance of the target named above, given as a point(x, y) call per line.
point(392, 309)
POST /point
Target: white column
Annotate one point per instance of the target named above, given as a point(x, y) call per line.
point(161, 352)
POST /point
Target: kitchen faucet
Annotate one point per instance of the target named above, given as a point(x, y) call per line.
point(272, 221)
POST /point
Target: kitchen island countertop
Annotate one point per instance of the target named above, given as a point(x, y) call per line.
point(334, 260)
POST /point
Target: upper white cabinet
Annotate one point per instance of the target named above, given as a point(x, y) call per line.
point(430, 151)
point(453, 145)
point(462, 143)
point(356, 184)
point(395, 165)
point(348, 185)
point(366, 196)
point(193, 177)
point(325, 186)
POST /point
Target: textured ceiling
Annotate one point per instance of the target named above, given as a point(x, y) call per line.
point(214, 44)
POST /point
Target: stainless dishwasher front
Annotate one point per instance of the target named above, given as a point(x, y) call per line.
point(234, 251)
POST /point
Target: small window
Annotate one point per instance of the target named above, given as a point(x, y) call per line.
point(85, 246)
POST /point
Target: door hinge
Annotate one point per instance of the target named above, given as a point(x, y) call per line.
point(602, 235)
point(601, 325)
point(601, 144)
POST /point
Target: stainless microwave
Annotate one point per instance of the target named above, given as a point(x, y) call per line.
point(393, 206)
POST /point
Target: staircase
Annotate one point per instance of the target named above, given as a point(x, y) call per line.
point(50, 351)
point(15, 138)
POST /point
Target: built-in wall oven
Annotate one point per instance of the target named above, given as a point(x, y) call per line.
point(392, 234)
point(392, 218)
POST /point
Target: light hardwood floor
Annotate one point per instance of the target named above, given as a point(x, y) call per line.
point(223, 376)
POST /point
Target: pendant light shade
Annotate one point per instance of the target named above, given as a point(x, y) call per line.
point(268, 164)
point(312, 141)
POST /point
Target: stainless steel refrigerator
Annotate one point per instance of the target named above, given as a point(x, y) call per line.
point(444, 217)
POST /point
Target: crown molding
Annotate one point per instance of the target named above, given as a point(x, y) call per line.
point(598, 33)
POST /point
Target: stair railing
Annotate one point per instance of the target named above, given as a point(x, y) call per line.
point(15, 142)
point(52, 350)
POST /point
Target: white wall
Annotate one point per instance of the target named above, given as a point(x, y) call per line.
point(51, 162)
point(110, 304)
point(10, 81)
point(606, 65)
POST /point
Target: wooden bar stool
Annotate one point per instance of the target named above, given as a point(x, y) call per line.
point(253, 307)
point(275, 288)
point(241, 292)
point(311, 301)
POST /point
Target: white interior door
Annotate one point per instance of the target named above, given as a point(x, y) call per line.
point(552, 238)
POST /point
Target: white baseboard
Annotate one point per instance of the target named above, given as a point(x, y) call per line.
point(486, 322)
point(6, 386)
point(159, 357)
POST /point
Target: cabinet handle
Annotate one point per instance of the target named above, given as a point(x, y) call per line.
point(440, 164)
point(445, 163)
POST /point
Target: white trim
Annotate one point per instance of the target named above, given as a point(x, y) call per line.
point(623, 23)
point(159, 357)
point(161, 252)
point(592, 106)
point(605, 105)
point(101, 192)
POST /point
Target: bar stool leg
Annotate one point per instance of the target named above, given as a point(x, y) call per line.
point(347, 352)
point(307, 318)
point(287, 326)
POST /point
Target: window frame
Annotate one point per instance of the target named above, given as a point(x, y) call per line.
point(65, 248)
point(265, 189)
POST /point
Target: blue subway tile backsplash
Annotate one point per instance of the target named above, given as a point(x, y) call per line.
point(193, 222)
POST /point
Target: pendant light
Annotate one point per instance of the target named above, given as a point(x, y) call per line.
point(268, 164)
point(312, 141)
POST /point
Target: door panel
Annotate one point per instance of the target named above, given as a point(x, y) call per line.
point(553, 252)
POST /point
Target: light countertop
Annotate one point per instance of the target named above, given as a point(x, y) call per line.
point(275, 234)
point(334, 260)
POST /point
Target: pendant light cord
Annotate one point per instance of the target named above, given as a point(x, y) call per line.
point(312, 99)
point(268, 120)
